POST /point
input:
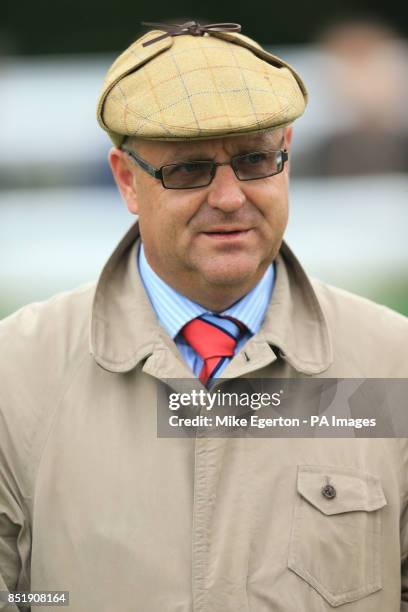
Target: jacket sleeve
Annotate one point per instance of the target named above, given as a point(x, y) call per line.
point(9, 558)
point(31, 380)
point(404, 558)
point(404, 525)
point(14, 524)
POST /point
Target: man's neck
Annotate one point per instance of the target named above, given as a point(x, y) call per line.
point(215, 297)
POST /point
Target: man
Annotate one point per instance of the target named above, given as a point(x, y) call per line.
point(92, 501)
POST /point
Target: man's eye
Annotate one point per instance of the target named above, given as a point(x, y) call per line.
point(187, 174)
point(255, 158)
point(187, 168)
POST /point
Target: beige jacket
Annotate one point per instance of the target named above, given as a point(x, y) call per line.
point(93, 502)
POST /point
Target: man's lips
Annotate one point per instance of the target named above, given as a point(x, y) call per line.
point(224, 233)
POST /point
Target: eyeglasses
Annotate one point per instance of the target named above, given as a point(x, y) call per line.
point(194, 174)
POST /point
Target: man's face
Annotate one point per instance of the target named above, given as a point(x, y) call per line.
point(216, 238)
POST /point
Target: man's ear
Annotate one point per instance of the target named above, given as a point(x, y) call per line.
point(123, 173)
point(288, 137)
point(287, 144)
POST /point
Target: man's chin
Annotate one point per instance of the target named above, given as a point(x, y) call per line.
point(231, 274)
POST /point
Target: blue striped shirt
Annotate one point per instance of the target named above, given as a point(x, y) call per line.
point(174, 310)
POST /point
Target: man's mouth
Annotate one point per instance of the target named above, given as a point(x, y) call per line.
point(227, 232)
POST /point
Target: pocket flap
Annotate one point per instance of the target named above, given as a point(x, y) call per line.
point(333, 489)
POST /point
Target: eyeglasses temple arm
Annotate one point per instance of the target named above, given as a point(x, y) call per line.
point(157, 173)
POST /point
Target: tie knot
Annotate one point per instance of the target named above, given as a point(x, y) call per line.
point(213, 335)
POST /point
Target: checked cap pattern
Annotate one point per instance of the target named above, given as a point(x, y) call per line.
point(189, 87)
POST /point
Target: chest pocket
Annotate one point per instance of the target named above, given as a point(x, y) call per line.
point(336, 537)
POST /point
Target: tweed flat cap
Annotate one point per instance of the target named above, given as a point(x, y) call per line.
point(195, 87)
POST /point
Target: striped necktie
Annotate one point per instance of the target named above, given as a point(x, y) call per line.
point(214, 338)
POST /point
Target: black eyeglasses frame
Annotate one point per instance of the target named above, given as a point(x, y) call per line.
point(157, 173)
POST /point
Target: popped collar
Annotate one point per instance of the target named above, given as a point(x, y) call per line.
point(125, 331)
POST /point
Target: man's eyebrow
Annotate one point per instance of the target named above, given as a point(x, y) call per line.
point(272, 139)
point(184, 155)
point(256, 142)
point(262, 141)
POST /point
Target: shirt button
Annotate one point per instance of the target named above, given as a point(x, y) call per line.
point(329, 492)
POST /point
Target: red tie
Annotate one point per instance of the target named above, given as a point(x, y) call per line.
point(214, 339)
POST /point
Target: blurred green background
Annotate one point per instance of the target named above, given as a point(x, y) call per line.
point(94, 26)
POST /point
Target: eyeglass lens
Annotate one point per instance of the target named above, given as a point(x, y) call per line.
point(257, 165)
point(200, 173)
point(187, 175)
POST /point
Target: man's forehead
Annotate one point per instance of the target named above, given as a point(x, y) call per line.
point(231, 144)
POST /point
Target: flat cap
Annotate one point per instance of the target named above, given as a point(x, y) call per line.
point(182, 87)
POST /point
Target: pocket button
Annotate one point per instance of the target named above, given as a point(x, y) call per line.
point(329, 492)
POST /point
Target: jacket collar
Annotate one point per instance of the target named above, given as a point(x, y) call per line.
point(295, 322)
point(125, 330)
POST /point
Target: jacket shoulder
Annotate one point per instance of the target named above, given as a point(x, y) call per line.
point(39, 326)
point(371, 337)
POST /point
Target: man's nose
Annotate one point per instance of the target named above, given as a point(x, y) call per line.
point(225, 190)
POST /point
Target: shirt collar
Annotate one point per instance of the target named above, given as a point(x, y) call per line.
point(175, 310)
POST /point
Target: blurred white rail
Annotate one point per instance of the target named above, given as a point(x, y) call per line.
point(352, 233)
